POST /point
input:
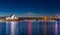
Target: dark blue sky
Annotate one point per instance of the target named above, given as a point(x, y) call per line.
point(20, 7)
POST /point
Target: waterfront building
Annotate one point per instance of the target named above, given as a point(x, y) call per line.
point(12, 17)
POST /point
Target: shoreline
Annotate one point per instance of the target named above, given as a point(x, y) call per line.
point(26, 21)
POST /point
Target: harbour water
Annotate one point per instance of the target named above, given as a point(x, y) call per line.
point(30, 28)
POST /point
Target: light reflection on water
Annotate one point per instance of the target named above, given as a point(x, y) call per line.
point(22, 28)
point(56, 28)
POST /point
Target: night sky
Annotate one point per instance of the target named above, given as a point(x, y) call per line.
point(29, 7)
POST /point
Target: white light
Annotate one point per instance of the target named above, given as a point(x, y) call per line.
point(13, 26)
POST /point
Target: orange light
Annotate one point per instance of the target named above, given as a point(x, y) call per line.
point(45, 18)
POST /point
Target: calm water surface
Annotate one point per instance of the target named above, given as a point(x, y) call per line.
point(30, 28)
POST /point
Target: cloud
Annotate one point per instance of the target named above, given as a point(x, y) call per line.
point(30, 14)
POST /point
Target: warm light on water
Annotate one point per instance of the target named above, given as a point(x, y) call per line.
point(30, 28)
